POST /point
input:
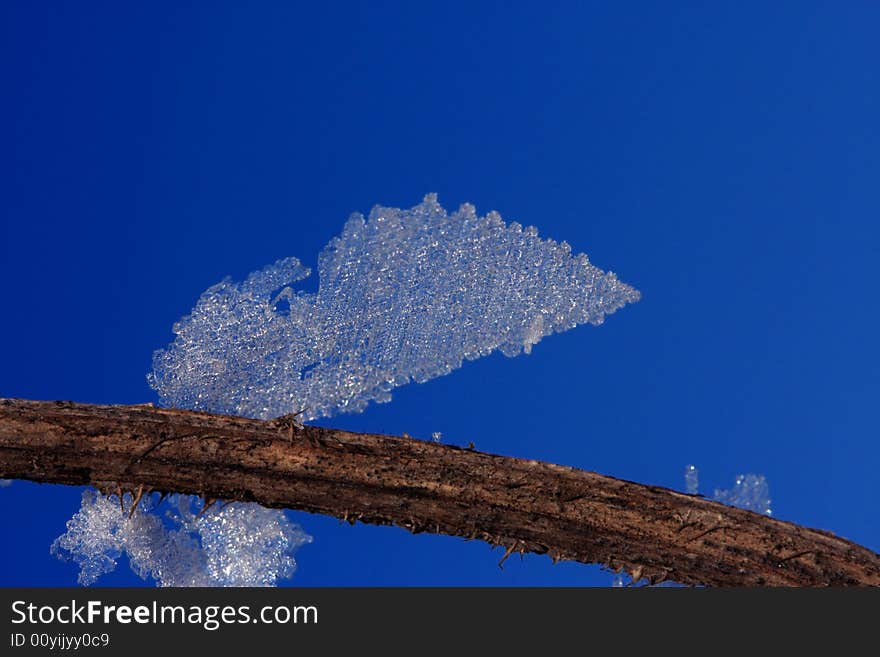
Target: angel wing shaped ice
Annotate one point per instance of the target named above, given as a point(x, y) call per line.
point(406, 295)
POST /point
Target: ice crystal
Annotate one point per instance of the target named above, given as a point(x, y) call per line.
point(238, 545)
point(691, 480)
point(406, 295)
point(749, 491)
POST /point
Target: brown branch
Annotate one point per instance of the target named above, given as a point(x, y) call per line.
point(525, 506)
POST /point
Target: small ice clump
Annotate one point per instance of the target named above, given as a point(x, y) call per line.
point(691, 480)
point(406, 295)
point(436, 437)
point(238, 545)
point(5, 482)
point(749, 492)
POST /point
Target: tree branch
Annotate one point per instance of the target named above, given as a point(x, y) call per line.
point(520, 505)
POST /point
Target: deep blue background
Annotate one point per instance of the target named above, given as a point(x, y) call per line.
point(724, 160)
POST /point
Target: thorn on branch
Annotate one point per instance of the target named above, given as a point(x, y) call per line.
point(135, 501)
point(209, 502)
point(507, 554)
point(658, 578)
point(290, 422)
point(635, 575)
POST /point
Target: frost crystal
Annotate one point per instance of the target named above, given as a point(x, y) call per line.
point(239, 545)
point(749, 492)
point(691, 480)
point(406, 295)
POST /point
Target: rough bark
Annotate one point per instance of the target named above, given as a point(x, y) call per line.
point(520, 505)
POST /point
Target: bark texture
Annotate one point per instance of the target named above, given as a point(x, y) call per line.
point(520, 505)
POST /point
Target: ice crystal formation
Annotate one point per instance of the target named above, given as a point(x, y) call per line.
point(750, 491)
point(238, 545)
point(405, 295)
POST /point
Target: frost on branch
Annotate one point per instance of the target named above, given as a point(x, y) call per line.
point(406, 295)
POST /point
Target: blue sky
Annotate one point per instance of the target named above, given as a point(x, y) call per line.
point(721, 157)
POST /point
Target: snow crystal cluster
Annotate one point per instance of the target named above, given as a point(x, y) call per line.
point(237, 545)
point(750, 491)
point(404, 295)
